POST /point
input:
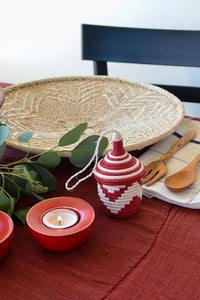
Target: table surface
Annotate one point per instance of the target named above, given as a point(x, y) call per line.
point(153, 255)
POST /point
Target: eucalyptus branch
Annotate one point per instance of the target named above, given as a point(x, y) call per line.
point(22, 177)
point(18, 188)
point(3, 179)
point(5, 192)
point(31, 174)
point(39, 154)
point(28, 152)
point(30, 159)
point(17, 162)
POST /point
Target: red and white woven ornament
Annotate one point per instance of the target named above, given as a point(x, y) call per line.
point(119, 179)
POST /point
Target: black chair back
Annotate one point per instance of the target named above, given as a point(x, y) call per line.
point(103, 44)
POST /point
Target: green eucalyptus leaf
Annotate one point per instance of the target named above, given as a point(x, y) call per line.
point(4, 201)
point(22, 174)
point(18, 176)
point(24, 177)
point(38, 188)
point(45, 178)
point(11, 187)
point(2, 149)
point(25, 137)
point(4, 132)
point(12, 206)
point(49, 160)
point(32, 180)
point(32, 188)
point(73, 135)
point(83, 152)
point(29, 174)
point(21, 214)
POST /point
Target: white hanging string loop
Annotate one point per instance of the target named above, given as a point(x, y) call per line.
point(95, 156)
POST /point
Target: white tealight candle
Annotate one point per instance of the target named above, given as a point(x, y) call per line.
point(60, 218)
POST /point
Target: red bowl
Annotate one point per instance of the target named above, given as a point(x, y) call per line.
point(6, 233)
point(61, 239)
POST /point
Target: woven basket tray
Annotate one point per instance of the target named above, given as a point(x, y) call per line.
point(144, 114)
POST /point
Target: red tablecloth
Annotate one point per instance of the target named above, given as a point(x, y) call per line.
point(153, 255)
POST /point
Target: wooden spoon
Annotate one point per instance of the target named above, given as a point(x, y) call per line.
point(181, 180)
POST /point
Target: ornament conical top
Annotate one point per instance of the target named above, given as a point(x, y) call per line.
point(118, 165)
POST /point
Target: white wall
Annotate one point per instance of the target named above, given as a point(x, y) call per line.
point(42, 38)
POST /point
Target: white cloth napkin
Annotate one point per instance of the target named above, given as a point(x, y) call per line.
point(191, 197)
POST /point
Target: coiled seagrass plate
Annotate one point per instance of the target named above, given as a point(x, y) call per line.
point(144, 114)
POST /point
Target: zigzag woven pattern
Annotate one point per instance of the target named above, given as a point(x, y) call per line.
point(51, 107)
point(119, 181)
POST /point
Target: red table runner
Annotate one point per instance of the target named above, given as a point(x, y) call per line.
point(153, 255)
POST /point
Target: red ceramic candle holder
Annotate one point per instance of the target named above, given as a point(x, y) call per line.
point(6, 233)
point(49, 225)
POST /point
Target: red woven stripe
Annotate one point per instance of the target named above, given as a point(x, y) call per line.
point(135, 174)
point(120, 166)
point(123, 171)
point(115, 158)
point(118, 148)
point(122, 181)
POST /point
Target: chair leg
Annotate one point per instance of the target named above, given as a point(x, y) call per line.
point(100, 68)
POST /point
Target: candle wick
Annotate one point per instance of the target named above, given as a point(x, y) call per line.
point(59, 220)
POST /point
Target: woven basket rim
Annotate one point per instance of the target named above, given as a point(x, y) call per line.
point(2, 96)
point(144, 86)
point(90, 78)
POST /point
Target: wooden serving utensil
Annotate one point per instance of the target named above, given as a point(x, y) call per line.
point(157, 169)
point(181, 180)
